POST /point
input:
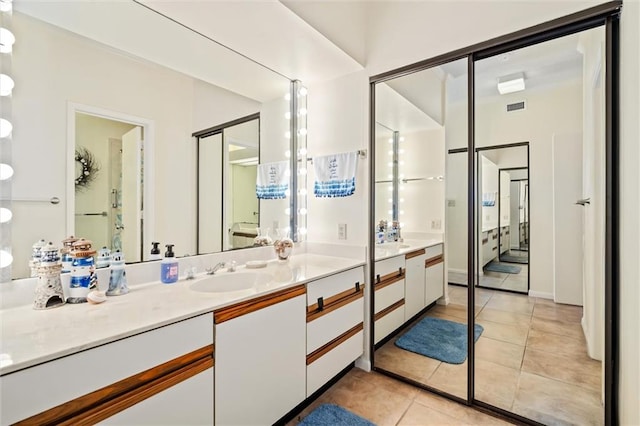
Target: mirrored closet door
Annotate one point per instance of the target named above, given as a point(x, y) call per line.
point(420, 327)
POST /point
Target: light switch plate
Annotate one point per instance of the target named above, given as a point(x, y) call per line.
point(342, 231)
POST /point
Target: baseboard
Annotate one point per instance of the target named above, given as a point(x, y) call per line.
point(540, 294)
point(459, 271)
point(363, 364)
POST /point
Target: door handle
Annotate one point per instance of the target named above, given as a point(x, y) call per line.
point(584, 201)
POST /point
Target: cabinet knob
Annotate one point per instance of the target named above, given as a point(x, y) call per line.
point(320, 303)
point(357, 286)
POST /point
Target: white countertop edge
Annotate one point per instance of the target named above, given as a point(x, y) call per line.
point(413, 246)
point(142, 326)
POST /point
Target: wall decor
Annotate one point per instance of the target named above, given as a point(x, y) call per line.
point(87, 168)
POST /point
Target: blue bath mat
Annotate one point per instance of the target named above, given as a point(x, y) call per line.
point(440, 339)
point(501, 267)
point(514, 259)
point(330, 414)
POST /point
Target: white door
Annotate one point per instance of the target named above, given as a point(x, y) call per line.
point(131, 194)
point(567, 218)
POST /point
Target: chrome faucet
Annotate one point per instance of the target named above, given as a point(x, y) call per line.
point(211, 271)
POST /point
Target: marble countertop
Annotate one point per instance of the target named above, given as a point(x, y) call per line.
point(388, 250)
point(30, 337)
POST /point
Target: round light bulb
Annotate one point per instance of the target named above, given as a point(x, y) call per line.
point(302, 151)
point(401, 138)
point(287, 172)
point(401, 211)
point(402, 163)
point(303, 191)
point(302, 91)
point(6, 5)
point(391, 200)
point(6, 85)
point(390, 211)
point(287, 154)
point(303, 211)
point(390, 163)
point(302, 132)
point(302, 171)
point(5, 128)
point(287, 115)
point(302, 231)
point(390, 176)
point(287, 134)
point(390, 140)
point(5, 258)
point(287, 211)
point(390, 152)
point(302, 111)
point(287, 192)
point(287, 97)
point(401, 151)
point(6, 171)
point(402, 200)
point(6, 40)
point(5, 215)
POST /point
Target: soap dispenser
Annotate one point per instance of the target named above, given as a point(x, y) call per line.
point(169, 266)
point(155, 251)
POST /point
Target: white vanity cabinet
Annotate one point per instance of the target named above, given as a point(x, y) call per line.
point(434, 273)
point(260, 358)
point(147, 378)
point(389, 300)
point(335, 318)
point(415, 289)
point(489, 245)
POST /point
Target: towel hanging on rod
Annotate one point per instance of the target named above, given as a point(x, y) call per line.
point(335, 175)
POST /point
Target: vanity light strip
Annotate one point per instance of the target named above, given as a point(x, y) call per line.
point(386, 311)
point(243, 308)
point(318, 353)
point(415, 254)
point(389, 279)
point(433, 261)
point(103, 403)
point(334, 302)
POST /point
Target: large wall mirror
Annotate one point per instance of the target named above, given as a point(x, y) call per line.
point(533, 345)
point(106, 110)
point(422, 190)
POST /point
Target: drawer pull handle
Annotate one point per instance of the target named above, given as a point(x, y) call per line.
point(320, 303)
point(357, 286)
point(378, 278)
point(400, 271)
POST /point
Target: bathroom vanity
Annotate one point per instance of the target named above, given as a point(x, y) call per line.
point(187, 353)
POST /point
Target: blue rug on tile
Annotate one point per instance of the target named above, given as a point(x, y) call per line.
point(514, 259)
point(439, 339)
point(330, 414)
point(501, 267)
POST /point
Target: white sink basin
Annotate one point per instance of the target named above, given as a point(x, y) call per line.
point(230, 282)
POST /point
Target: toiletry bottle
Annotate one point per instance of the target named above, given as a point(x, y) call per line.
point(155, 251)
point(169, 266)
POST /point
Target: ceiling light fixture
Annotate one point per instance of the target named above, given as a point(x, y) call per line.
point(511, 83)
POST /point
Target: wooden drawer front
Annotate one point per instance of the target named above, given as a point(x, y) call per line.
point(388, 266)
point(389, 322)
point(434, 251)
point(333, 285)
point(39, 388)
point(389, 295)
point(328, 365)
point(327, 327)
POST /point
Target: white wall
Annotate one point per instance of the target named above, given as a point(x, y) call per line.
point(338, 117)
point(629, 317)
point(488, 171)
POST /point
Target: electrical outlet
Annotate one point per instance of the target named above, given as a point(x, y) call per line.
point(342, 231)
point(436, 224)
point(451, 203)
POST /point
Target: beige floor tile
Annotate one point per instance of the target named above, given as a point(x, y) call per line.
point(584, 372)
point(440, 314)
point(386, 382)
point(511, 305)
point(405, 363)
point(515, 285)
point(553, 402)
point(375, 404)
point(418, 414)
point(452, 310)
point(464, 414)
point(556, 344)
point(566, 313)
point(504, 317)
point(515, 334)
point(495, 384)
point(450, 378)
point(503, 353)
point(562, 328)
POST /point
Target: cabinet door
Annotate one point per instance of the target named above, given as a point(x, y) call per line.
point(261, 363)
point(190, 402)
point(414, 286)
point(435, 282)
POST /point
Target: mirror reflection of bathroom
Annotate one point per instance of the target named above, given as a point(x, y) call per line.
point(108, 184)
point(228, 158)
point(503, 218)
point(419, 116)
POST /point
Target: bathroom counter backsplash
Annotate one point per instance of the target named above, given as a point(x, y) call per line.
point(388, 250)
point(30, 337)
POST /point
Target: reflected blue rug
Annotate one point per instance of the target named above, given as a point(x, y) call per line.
point(501, 267)
point(440, 339)
point(514, 259)
point(330, 414)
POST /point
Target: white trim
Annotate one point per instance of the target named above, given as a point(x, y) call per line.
point(459, 271)
point(148, 126)
point(540, 294)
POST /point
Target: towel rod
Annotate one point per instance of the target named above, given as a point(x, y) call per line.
point(52, 200)
point(105, 214)
point(362, 153)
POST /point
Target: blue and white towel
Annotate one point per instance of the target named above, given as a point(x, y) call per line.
point(335, 175)
point(488, 199)
point(272, 181)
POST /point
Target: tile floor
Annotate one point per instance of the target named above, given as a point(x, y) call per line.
point(531, 359)
point(498, 280)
